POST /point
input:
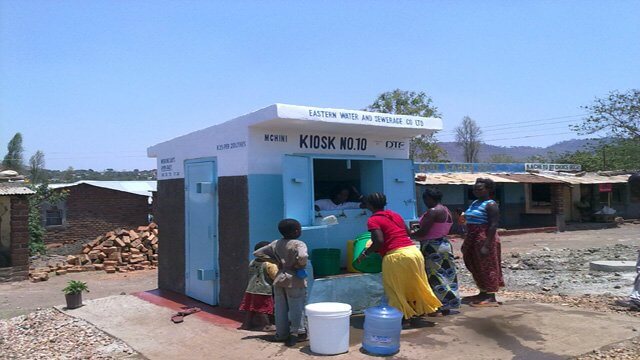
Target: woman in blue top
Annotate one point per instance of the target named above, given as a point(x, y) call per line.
point(481, 247)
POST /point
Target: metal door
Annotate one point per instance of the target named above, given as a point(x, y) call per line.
point(297, 187)
point(201, 273)
point(400, 188)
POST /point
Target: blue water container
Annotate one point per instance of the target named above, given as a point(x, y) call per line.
point(382, 327)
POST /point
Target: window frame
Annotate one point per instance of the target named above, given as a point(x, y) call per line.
point(530, 207)
point(60, 206)
point(311, 158)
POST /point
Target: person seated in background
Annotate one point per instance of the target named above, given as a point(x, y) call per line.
point(340, 196)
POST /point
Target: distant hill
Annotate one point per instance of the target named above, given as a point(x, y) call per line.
point(518, 153)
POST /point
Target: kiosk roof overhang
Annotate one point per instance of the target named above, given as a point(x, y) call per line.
point(326, 120)
point(348, 121)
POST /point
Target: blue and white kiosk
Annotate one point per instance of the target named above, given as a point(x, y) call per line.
point(223, 189)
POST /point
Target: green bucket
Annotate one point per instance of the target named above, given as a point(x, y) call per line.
point(370, 264)
point(325, 262)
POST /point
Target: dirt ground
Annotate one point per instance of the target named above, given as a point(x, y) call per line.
point(19, 298)
point(547, 268)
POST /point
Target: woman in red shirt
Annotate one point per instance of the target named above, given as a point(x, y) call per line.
point(403, 276)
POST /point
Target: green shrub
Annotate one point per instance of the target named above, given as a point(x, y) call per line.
point(75, 287)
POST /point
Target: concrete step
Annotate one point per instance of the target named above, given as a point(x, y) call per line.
point(613, 266)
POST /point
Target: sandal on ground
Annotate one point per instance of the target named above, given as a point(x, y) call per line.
point(179, 316)
point(469, 299)
point(484, 303)
point(188, 311)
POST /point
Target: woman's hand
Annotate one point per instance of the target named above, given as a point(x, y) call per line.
point(484, 250)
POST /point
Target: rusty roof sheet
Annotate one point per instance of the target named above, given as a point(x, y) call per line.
point(457, 178)
point(531, 179)
point(586, 178)
point(14, 188)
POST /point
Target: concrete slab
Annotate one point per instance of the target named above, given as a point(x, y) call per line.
point(613, 266)
point(513, 331)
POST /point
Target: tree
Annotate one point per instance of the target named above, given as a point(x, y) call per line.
point(468, 138)
point(36, 167)
point(617, 115)
point(68, 175)
point(502, 159)
point(14, 158)
point(622, 154)
point(401, 102)
point(43, 194)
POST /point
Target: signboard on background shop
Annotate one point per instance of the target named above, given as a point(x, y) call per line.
point(552, 167)
point(491, 167)
point(605, 188)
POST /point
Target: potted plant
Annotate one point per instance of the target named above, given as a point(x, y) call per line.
point(73, 293)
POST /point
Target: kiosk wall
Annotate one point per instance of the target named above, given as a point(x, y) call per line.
point(223, 189)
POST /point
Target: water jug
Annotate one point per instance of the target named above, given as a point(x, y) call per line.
point(382, 327)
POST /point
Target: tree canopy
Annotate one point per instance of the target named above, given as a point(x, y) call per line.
point(617, 115)
point(402, 102)
point(619, 154)
point(13, 160)
point(37, 172)
point(468, 137)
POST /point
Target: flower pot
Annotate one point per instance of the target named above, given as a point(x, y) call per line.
point(73, 300)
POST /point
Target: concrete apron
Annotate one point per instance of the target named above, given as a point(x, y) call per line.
point(513, 331)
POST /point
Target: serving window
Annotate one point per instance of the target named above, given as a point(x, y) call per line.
point(307, 179)
point(358, 177)
point(538, 198)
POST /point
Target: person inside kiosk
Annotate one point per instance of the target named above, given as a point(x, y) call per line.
point(341, 199)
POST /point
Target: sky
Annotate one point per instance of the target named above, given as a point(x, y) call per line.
point(94, 83)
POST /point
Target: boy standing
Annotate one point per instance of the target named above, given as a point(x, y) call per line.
point(290, 285)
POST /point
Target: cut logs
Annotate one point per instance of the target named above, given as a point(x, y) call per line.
point(116, 251)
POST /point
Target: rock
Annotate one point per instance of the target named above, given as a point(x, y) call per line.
point(546, 249)
point(544, 288)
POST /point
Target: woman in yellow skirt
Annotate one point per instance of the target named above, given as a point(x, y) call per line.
point(403, 276)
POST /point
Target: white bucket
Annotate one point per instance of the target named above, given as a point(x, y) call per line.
point(328, 327)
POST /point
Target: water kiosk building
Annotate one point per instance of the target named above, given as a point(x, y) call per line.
point(223, 189)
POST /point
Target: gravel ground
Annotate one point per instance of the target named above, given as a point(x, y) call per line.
point(628, 350)
point(50, 334)
point(564, 271)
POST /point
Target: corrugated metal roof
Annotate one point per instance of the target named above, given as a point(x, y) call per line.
point(586, 178)
point(531, 179)
point(13, 188)
point(456, 178)
point(143, 188)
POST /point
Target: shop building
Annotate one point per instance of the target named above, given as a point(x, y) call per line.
point(531, 195)
point(14, 231)
point(94, 207)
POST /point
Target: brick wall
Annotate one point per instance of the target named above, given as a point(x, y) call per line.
point(19, 269)
point(557, 199)
point(169, 215)
point(92, 211)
